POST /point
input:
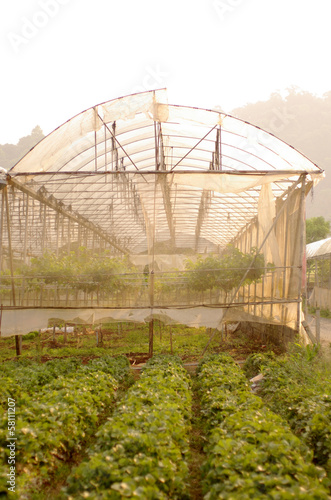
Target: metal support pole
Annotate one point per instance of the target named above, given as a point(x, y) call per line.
point(301, 223)
point(18, 342)
point(43, 240)
point(151, 337)
point(57, 233)
point(26, 228)
point(69, 235)
point(318, 325)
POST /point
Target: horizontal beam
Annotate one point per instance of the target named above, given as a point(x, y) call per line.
point(165, 172)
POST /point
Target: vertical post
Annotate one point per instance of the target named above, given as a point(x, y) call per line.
point(1, 228)
point(79, 238)
point(171, 340)
point(10, 246)
point(53, 333)
point(317, 302)
point(26, 228)
point(106, 160)
point(151, 337)
point(151, 301)
point(318, 326)
point(65, 333)
point(18, 343)
point(57, 219)
point(219, 141)
point(255, 285)
point(285, 245)
point(69, 236)
point(44, 230)
point(301, 224)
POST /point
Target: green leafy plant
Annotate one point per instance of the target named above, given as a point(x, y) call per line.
point(83, 270)
point(54, 422)
point(294, 388)
point(251, 452)
point(225, 271)
point(141, 451)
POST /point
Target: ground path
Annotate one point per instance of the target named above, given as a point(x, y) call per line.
point(325, 329)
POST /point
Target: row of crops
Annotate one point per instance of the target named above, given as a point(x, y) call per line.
point(251, 451)
point(94, 272)
point(141, 439)
point(58, 406)
point(293, 390)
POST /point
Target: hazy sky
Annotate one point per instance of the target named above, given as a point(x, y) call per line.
point(59, 57)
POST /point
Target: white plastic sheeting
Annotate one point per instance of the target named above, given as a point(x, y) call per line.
point(160, 183)
point(318, 248)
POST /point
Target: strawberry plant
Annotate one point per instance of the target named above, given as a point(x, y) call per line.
point(85, 271)
point(54, 422)
point(251, 452)
point(25, 376)
point(225, 271)
point(141, 451)
point(297, 391)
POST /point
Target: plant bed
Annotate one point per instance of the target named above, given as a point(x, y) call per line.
point(54, 422)
point(295, 387)
point(141, 451)
point(251, 451)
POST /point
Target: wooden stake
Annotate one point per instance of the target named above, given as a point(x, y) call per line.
point(151, 335)
point(18, 344)
point(171, 340)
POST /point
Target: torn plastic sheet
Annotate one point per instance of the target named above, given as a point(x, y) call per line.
point(21, 322)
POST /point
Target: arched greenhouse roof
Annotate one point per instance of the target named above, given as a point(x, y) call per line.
point(137, 162)
point(321, 248)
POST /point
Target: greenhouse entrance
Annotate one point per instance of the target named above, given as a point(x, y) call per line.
point(137, 210)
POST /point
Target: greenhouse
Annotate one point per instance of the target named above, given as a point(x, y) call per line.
point(136, 210)
point(318, 256)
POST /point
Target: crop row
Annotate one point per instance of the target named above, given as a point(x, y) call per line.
point(141, 450)
point(25, 376)
point(305, 406)
point(252, 454)
point(53, 423)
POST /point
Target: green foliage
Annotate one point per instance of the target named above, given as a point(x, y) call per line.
point(25, 376)
point(53, 422)
point(255, 361)
point(296, 389)
point(224, 271)
point(251, 453)
point(320, 267)
point(317, 228)
point(84, 270)
point(141, 451)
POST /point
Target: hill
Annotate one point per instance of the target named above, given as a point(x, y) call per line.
point(11, 153)
point(303, 121)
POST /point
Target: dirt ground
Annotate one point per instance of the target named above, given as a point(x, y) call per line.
point(325, 329)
